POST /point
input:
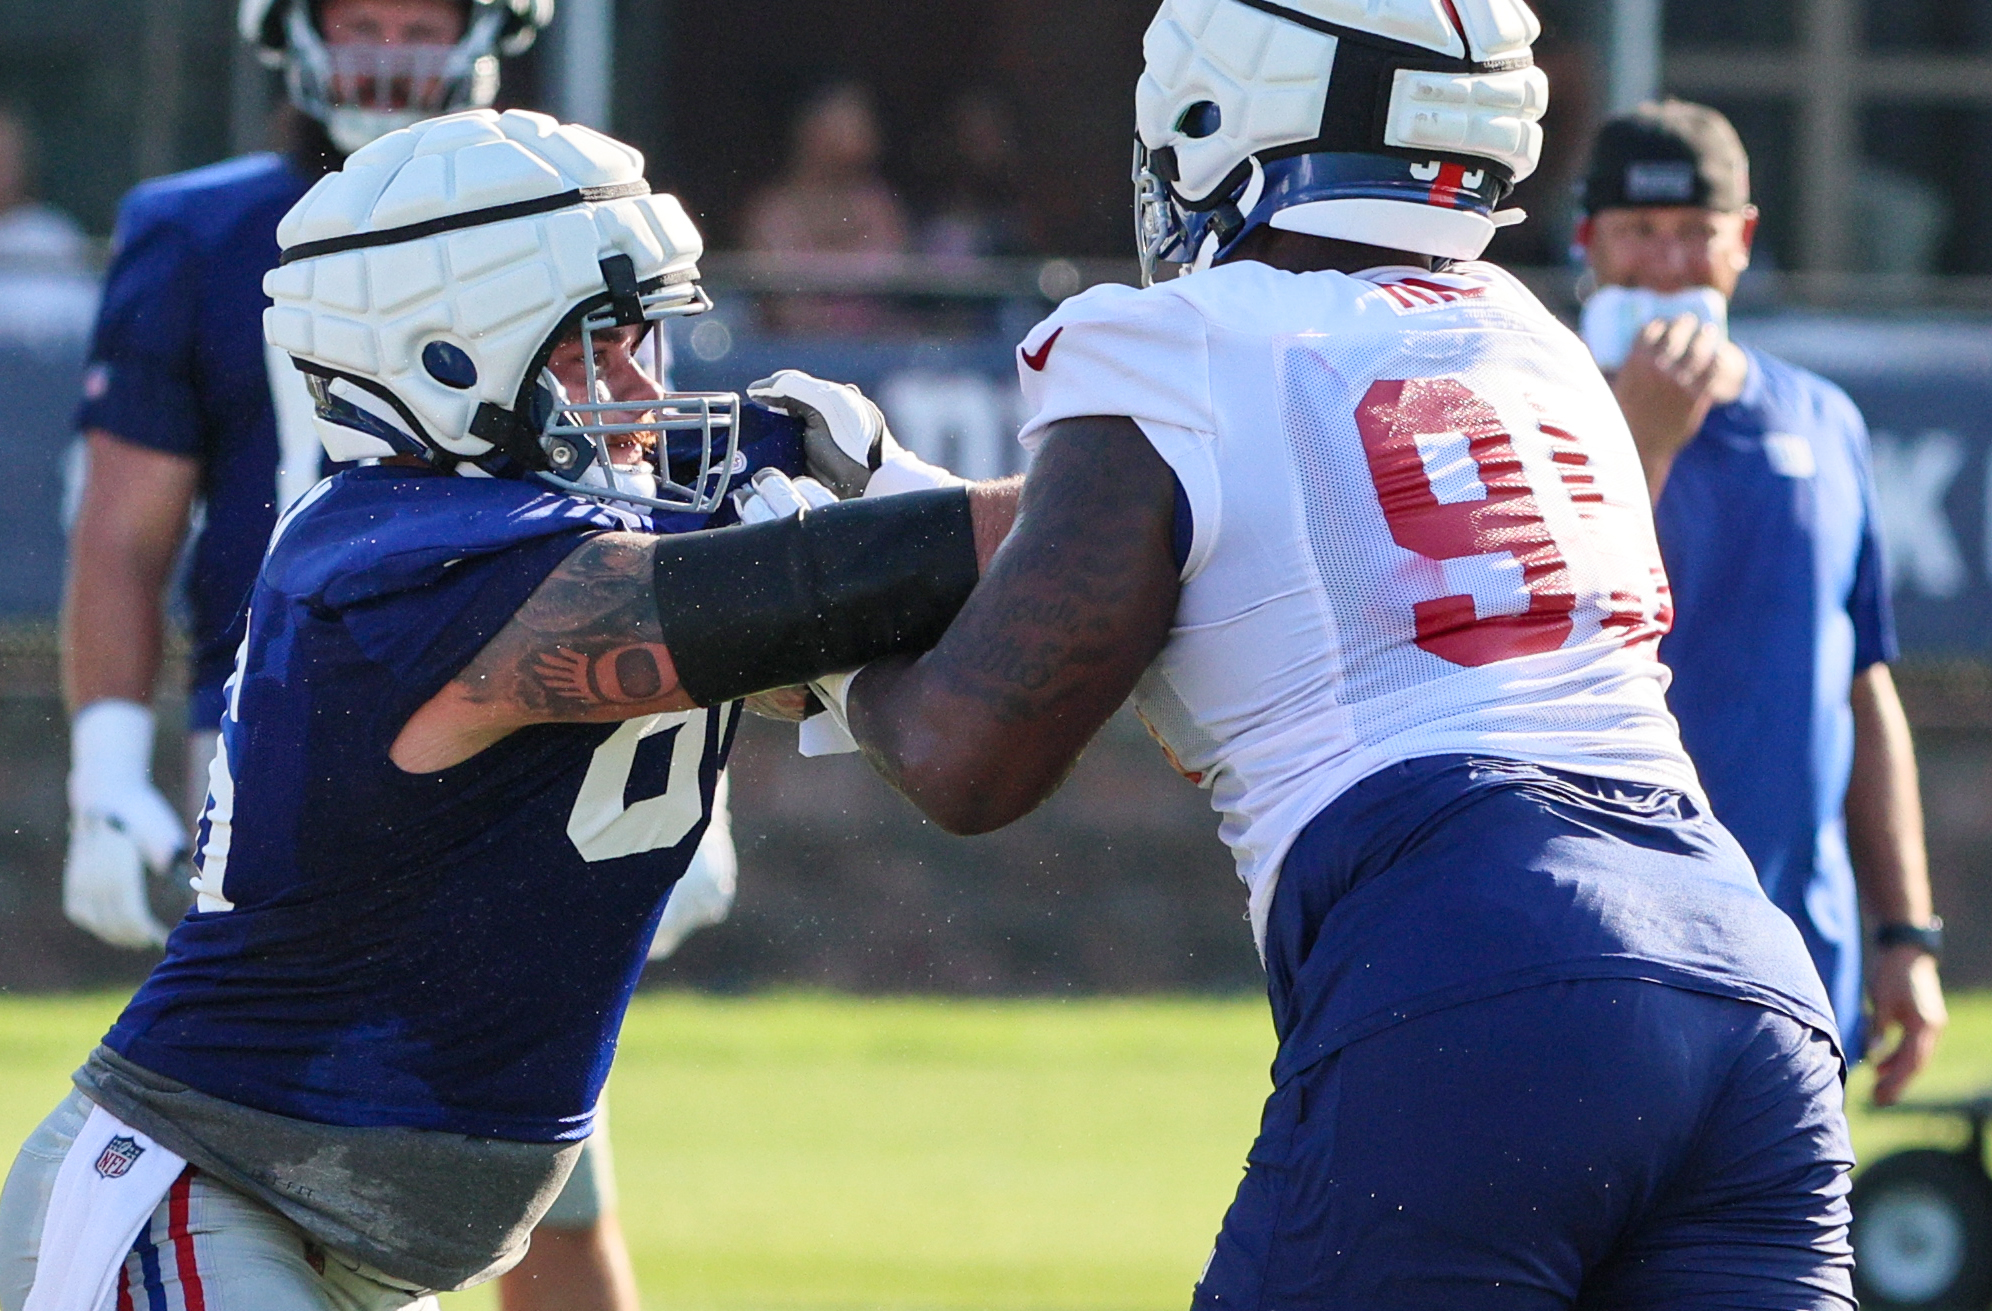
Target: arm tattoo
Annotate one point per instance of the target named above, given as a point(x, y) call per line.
point(586, 644)
point(1076, 597)
point(1075, 605)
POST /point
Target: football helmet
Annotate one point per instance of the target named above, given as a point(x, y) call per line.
point(1397, 123)
point(424, 287)
point(362, 92)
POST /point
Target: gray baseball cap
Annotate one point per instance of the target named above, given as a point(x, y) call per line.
point(1668, 152)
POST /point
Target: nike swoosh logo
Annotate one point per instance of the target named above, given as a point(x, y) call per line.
point(1037, 358)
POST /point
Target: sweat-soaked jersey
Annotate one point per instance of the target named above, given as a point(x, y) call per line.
point(1419, 528)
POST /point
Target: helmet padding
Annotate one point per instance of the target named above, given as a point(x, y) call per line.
point(1409, 97)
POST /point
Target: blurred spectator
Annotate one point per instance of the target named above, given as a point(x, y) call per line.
point(978, 214)
point(832, 199)
point(32, 233)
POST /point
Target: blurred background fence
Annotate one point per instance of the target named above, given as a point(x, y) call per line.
point(895, 192)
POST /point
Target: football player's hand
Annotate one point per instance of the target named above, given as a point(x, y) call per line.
point(121, 830)
point(1667, 386)
point(844, 434)
point(1905, 994)
point(772, 494)
point(848, 446)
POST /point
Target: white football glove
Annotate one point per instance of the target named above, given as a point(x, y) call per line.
point(120, 828)
point(704, 895)
point(848, 446)
point(772, 494)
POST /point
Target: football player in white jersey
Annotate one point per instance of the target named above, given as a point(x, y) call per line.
point(1357, 524)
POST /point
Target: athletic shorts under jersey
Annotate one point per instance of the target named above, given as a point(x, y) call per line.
point(178, 365)
point(1772, 538)
point(450, 951)
point(1419, 526)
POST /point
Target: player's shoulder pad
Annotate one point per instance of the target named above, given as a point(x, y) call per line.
point(205, 199)
point(366, 534)
point(1106, 303)
point(1116, 350)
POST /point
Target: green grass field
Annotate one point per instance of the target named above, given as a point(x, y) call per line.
point(804, 1151)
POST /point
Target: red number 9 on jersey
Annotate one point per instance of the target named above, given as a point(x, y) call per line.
point(1392, 417)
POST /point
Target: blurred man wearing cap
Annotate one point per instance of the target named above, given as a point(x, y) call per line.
point(1766, 512)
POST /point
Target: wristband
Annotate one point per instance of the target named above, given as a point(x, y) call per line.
point(110, 747)
point(902, 471)
point(1927, 938)
point(775, 604)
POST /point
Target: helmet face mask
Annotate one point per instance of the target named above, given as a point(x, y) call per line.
point(1159, 232)
point(686, 442)
point(363, 90)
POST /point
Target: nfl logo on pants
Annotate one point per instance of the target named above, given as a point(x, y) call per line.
point(118, 1156)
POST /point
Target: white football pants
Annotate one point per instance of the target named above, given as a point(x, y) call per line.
point(210, 1247)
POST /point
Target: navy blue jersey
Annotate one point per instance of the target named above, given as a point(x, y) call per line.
point(1772, 541)
point(178, 365)
point(449, 951)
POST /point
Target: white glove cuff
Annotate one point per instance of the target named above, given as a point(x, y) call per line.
point(903, 471)
point(829, 734)
point(834, 691)
point(110, 746)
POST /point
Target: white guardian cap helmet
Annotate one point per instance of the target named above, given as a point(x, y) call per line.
point(1396, 123)
point(364, 91)
point(424, 287)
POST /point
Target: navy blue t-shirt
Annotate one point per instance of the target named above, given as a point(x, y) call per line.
point(449, 951)
point(177, 365)
point(1772, 541)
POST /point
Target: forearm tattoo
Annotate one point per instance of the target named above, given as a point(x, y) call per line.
point(587, 643)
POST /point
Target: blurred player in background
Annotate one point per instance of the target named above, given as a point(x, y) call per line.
point(185, 407)
point(472, 739)
point(1358, 524)
point(1768, 524)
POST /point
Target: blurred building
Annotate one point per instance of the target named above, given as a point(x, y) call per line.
point(1870, 120)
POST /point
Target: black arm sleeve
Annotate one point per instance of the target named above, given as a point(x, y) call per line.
point(775, 604)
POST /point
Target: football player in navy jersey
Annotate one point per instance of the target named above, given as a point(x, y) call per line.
point(184, 405)
point(472, 736)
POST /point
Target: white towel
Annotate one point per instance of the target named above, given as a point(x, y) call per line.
point(109, 1185)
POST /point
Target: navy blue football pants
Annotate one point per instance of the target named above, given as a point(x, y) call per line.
point(1593, 1144)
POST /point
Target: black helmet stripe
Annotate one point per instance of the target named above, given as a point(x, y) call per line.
point(474, 218)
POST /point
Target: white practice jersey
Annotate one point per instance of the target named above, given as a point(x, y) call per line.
point(1420, 528)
